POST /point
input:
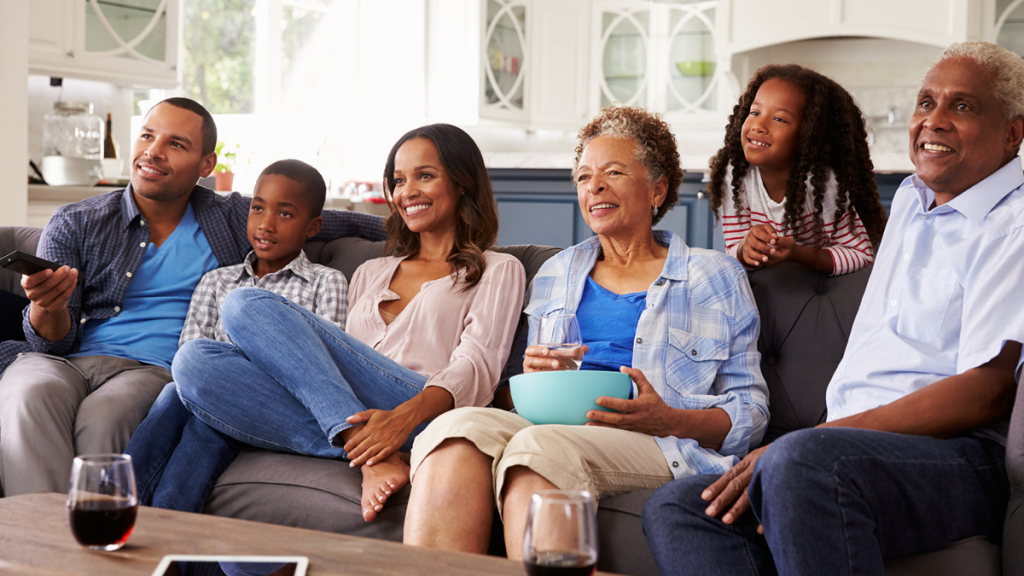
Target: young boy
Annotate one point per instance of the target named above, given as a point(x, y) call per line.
point(171, 446)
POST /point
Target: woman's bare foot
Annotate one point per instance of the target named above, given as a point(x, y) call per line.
point(380, 481)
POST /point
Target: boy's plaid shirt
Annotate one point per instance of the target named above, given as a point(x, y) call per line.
point(319, 289)
point(696, 341)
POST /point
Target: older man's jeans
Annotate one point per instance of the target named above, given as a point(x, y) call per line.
point(288, 379)
point(836, 501)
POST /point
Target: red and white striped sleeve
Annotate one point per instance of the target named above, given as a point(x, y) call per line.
point(850, 249)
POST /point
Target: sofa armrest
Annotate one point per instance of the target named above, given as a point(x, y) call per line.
point(24, 238)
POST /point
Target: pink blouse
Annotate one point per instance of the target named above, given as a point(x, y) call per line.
point(460, 340)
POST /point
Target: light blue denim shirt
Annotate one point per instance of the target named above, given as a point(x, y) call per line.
point(696, 341)
point(944, 295)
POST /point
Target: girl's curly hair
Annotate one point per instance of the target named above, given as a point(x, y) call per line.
point(655, 146)
point(832, 140)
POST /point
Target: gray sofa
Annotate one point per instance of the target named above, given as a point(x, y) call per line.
point(806, 318)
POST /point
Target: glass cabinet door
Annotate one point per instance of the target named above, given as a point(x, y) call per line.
point(623, 49)
point(504, 41)
point(1010, 25)
point(691, 58)
point(132, 29)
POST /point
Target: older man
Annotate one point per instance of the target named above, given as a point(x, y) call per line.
point(102, 350)
point(911, 458)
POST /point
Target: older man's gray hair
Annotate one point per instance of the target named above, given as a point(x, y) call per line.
point(1007, 67)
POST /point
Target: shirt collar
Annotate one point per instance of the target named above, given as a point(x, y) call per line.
point(130, 210)
point(678, 255)
point(299, 266)
point(977, 201)
point(675, 264)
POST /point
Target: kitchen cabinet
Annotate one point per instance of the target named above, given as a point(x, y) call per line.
point(539, 206)
point(756, 24)
point(514, 63)
point(124, 42)
point(667, 58)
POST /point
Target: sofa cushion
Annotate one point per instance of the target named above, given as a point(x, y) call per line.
point(302, 491)
point(806, 319)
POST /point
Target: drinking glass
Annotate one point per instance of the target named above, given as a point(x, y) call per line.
point(102, 502)
point(560, 333)
point(561, 534)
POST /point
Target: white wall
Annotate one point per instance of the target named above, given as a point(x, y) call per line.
point(13, 100)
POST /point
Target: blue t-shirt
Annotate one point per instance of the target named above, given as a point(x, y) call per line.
point(156, 303)
point(608, 324)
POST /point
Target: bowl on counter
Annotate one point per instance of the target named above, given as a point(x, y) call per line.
point(696, 67)
point(565, 396)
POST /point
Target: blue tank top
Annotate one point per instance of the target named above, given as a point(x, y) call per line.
point(608, 324)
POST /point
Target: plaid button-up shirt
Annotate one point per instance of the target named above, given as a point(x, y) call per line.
point(696, 341)
point(317, 288)
point(105, 238)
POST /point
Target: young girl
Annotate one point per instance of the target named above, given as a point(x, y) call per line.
point(800, 186)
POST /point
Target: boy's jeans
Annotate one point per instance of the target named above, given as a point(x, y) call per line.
point(289, 379)
point(177, 458)
point(835, 501)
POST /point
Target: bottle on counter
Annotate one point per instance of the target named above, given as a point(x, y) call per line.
point(110, 147)
point(72, 145)
point(111, 154)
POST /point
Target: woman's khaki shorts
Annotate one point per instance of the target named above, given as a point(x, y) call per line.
point(601, 460)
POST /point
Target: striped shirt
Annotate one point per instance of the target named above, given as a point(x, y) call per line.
point(696, 341)
point(317, 288)
point(850, 249)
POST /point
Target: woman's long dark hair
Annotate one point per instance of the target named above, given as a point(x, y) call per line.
point(476, 227)
point(832, 139)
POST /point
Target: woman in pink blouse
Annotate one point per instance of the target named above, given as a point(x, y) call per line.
point(429, 329)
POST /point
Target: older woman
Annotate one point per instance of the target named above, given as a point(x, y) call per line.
point(680, 321)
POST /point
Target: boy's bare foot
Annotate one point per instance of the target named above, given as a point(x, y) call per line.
point(381, 480)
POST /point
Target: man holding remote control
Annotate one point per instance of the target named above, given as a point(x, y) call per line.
point(101, 352)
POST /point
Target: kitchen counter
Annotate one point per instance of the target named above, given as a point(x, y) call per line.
point(884, 163)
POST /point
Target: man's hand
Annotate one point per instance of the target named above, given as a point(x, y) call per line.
point(382, 434)
point(731, 490)
point(647, 413)
point(49, 291)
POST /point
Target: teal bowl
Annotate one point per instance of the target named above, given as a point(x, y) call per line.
point(565, 396)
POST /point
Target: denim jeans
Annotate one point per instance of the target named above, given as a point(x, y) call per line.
point(836, 501)
point(177, 458)
point(288, 379)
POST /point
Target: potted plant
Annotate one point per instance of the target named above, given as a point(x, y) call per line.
point(227, 156)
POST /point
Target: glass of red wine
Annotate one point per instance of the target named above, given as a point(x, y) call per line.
point(561, 534)
point(102, 502)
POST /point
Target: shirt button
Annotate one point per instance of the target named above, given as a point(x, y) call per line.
point(659, 282)
point(143, 222)
point(906, 256)
point(893, 302)
point(142, 244)
point(128, 274)
point(675, 464)
point(693, 352)
point(117, 308)
point(82, 321)
point(639, 340)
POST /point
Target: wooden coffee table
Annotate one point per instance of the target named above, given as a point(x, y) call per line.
point(35, 538)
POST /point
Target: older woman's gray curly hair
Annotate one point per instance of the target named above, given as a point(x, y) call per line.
point(656, 146)
point(1007, 69)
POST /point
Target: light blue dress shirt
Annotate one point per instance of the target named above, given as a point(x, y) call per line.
point(696, 341)
point(944, 295)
